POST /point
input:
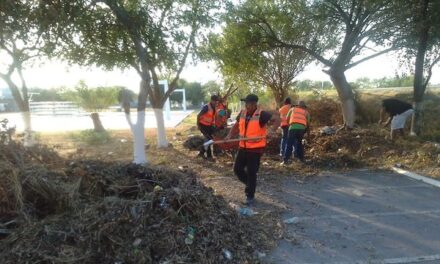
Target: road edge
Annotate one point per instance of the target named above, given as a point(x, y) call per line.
point(418, 177)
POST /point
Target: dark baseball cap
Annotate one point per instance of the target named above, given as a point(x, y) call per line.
point(215, 97)
point(302, 104)
point(250, 98)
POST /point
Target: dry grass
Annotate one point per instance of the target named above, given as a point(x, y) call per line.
point(369, 103)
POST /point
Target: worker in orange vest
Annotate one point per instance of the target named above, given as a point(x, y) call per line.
point(284, 110)
point(206, 124)
point(251, 122)
point(299, 124)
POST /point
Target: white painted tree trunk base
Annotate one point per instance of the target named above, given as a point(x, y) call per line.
point(416, 119)
point(28, 139)
point(161, 133)
point(137, 130)
point(348, 111)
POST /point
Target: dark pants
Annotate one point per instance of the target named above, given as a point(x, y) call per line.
point(246, 168)
point(207, 132)
point(294, 140)
point(284, 140)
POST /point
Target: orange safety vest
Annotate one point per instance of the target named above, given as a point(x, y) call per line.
point(208, 118)
point(298, 116)
point(221, 119)
point(252, 129)
point(284, 110)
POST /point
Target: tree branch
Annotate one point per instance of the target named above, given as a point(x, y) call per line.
point(428, 77)
point(351, 65)
point(173, 83)
point(343, 14)
point(305, 49)
point(281, 43)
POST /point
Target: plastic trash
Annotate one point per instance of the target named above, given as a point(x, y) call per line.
point(137, 242)
point(157, 188)
point(327, 130)
point(227, 254)
point(190, 233)
point(246, 211)
point(163, 202)
point(260, 255)
point(292, 220)
point(358, 193)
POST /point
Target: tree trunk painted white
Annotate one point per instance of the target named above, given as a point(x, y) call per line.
point(137, 130)
point(28, 140)
point(346, 97)
point(348, 112)
point(417, 119)
point(161, 134)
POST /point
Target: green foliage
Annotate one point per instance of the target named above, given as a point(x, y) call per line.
point(93, 99)
point(385, 82)
point(92, 137)
point(411, 22)
point(26, 36)
point(211, 88)
point(46, 95)
point(194, 92)
point(305, 85)
point(397, 81)
point(244, 58)
point(152, 37)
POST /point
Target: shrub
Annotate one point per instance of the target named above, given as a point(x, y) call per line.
point(92, 137)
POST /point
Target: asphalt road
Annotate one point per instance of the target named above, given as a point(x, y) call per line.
point(360, 217)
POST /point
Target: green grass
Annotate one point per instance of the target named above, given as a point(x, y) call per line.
point(91, 137)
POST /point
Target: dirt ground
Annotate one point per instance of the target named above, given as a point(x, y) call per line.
point(344, 151)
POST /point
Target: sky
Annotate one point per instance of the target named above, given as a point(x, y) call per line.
point(55, 74)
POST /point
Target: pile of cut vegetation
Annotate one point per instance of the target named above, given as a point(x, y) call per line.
point(100, 212)
point(324, 112)
point(369, 147)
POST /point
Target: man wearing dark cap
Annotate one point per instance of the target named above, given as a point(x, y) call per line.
point(299, 124)
point(206, 124)
point(251, 123)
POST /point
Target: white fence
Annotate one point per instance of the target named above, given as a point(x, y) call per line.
point(55, 108)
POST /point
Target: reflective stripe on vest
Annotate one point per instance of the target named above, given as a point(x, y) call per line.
point(284, 110)
point(252, 129)
point(208, 118)
point(298, 116)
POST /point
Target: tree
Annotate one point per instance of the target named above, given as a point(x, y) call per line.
point(194, 93)
point(241, 58)
point(211, 88)
point(152, 37)
point(193, 90)
point(403, 80)
point(94, 100)
point(339, 32)
point(45, 95)
point(23, 38)
point(309, 85)
point(419, 34)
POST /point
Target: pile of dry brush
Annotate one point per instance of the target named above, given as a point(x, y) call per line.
point(83, 211)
